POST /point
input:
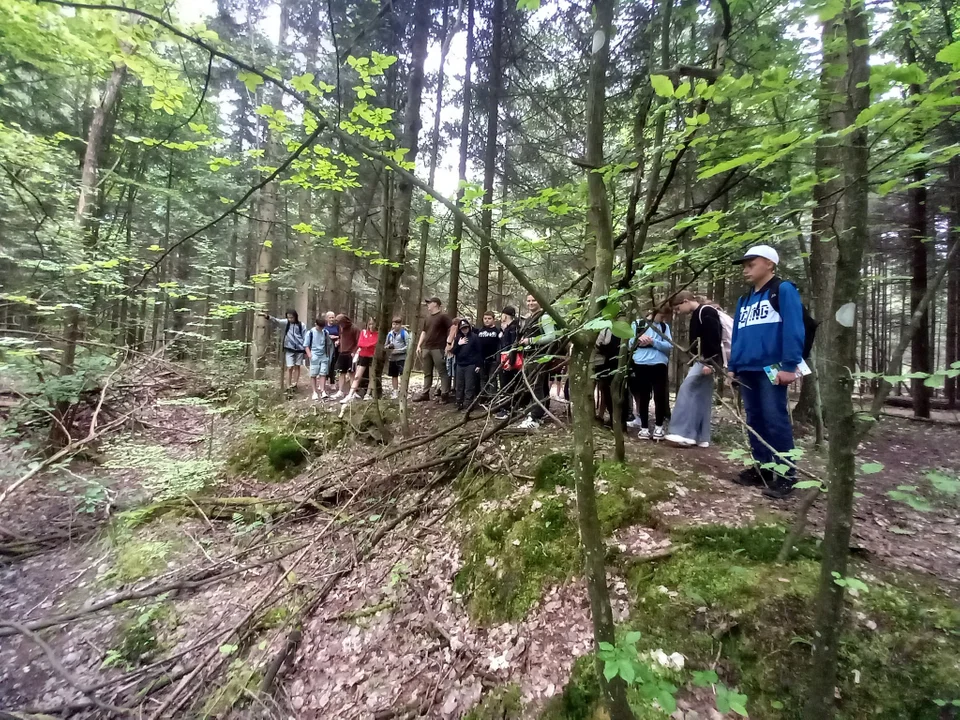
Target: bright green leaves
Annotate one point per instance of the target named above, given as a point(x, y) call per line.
point(871, 468)
point(216, 163)
point(731, 701)
point(852, 584)
point(950, 55)
point(530, 5)
point(732, 163)
point(662, 86)
point(251, 80)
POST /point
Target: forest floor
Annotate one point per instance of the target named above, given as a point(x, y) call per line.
point(411, 587)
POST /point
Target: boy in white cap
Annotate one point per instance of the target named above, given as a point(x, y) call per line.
point(767, 347)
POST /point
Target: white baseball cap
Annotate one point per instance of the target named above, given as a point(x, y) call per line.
point(761, 251)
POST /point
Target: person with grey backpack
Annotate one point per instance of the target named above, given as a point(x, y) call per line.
point(293, 352)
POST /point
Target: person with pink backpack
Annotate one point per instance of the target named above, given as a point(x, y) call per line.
point(690, 422)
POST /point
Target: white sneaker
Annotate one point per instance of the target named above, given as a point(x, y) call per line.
point(529, 423)
point(314, 396)
point(324, 395)
point(636, 423)
point(680, 440)
point(337, 395)
point(350, 396)
point(395, 395)
point(644, 434)
point(703, 444)
point(368, 396)
point(658, 432)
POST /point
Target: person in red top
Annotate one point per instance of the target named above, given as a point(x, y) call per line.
point(366, 346)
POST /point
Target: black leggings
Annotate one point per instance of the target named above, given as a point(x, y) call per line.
point(645, 379)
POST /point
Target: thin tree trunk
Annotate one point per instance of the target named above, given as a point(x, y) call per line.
point(839, 408)
point(594, 548)
point(85, 220)
point(453, 296)
point(403, 197)
point(424, 231)
point(494, 90)
point(952, 333)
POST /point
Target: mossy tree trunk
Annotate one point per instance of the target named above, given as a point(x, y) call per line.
point(591, 537)
point(842, 349)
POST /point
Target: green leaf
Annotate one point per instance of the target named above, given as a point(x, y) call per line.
point(804, 484)
point(626, 671)
point(935, 381)
point(531, 5)
point(705, 678)
point(632, 638)
point(251, 80)
point(606, 647)
point(610, 670)
point(734, 163)
point(662, 85)
point(624, 331)
point(683, 89)
point(667, 702)
point(950, 54)
point(887, 186)
point(871, 468)
point(943, 483)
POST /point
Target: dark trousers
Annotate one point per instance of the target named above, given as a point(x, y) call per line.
point(765, 406)
point(510, 393)
point(538, 377)
point(488, 370)
point(644, 381)
point(468, 384)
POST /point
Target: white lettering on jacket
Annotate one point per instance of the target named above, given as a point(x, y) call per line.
point(759, 313)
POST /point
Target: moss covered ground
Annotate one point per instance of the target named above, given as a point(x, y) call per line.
point(521, 539)
point(721, 599)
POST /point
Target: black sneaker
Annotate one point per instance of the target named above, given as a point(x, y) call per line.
point(502, 415)
point(779, 489)
point(749, 477)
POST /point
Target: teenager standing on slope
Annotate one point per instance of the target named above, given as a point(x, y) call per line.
point(652, 345)
point(397, 343)
point(293, 354)
point(690, 423)
point(432, 349)
point(768, 343)
point(538, 333)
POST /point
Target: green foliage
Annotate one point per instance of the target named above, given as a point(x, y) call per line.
point(140, 636)
point(285, 453)
point(138, 559)
point(640, 674)
point(552, 471)
point(163, 476)
point(706, 593)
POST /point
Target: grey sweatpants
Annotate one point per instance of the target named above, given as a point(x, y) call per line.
point(694, 406)
point(435, 359)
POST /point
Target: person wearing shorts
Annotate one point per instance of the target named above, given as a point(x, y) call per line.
point(366, 347)
point(349, 339)
point(293, 332)
point(397, 345)
point(316, 345)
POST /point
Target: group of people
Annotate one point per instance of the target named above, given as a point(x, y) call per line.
point(509, 363)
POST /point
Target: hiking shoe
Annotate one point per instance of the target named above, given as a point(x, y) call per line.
point(749, 477)
point(680, 440)
point(529, 423)
point(779, 489)
point(703, 444)
point(337, 395)
point(422, 397)
point(635, 423)
point(658, 432)
point(644, 433)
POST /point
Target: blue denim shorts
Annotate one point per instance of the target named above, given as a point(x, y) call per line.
point(319, 365)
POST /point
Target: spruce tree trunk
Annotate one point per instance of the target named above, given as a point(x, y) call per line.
point(494, 89)
point(841, 346)
point(403, 194)
point(453, 296)
point(591, 538)
point(920, 356)
point(952, 331)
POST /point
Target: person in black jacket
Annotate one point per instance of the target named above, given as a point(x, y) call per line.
point(690, 423)
point(510, 362)
point(467, 350)
point(489, 336)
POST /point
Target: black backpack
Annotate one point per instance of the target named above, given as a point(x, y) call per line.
point(810, 325)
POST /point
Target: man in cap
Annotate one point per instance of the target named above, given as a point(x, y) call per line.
point(432, 349)
point(767, 347)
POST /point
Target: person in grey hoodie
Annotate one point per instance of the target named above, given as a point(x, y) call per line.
point(294, 355)
point(651, 347)
point(398, 342)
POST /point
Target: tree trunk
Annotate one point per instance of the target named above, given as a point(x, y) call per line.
point(403, 195)
point(952, 332)
point(917, 238)
point(494, 90)
point(85, 219)
point(414, 318)
point(841, 347)
point(453, 297)
point(594, 548)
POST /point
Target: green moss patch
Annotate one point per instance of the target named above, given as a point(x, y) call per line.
point(722, 594)
point(518, 543)
point(580, 698)
point(501, 703)
point(139, 640)
point(553, 470)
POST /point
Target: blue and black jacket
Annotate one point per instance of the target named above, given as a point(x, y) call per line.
point(762, 336)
